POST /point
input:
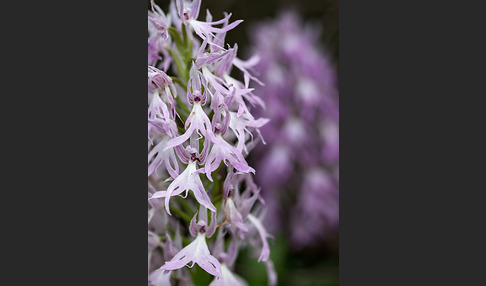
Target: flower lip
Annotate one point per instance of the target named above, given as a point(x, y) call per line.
point(186, 15)
point(202, 226)
point(193, 152)
point(218, 128)
point(197, 97)
point(220, 122)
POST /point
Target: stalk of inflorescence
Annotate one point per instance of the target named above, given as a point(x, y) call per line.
point(203, 204)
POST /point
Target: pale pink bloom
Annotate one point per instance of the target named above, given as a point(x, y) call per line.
point(160, 156)
point(160, 277)
point(202, 225)
point(240, 126)
point(265, 253)
point(228, 278)
point(234, 216)
point(222, 151)
point(187, 180)
point(196, 252)
point(198, 122)
point(205, 30)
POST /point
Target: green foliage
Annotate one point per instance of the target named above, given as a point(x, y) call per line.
point(293, 269)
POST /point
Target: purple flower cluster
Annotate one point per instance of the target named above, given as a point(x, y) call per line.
point(298, 168)
point(200, 127)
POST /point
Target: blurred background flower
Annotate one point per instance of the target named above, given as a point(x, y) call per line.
point(298, 168)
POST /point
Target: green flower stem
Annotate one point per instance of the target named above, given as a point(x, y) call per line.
point(179, 82)
point(181, 69)
point(184, 35)
point(187, 45)
point(211, 114)
point(183, 106)
point(185, 205)
point(175, 35)
point(189, 63)
point(182, 214)
point(217, 199)
point(185, 240)
point(181, 129)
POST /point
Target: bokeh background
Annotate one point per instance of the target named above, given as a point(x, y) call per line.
point(317, 263)
point(322, 13)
